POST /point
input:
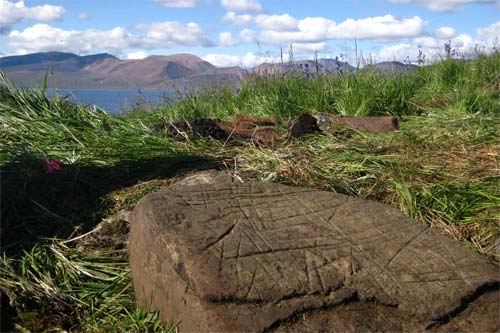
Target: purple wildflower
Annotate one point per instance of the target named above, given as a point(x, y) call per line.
point(52, 165)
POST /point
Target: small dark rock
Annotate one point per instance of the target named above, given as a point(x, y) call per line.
point(305, 124)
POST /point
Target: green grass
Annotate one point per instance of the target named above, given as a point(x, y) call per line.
point(441, 168)
point(74, 291)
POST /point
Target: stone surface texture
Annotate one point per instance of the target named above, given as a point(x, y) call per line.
point(330, 123)
point(255, 257)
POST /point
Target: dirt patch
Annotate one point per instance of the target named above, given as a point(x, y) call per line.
point(110, 234)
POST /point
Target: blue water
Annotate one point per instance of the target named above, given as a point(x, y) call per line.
point(115, 101)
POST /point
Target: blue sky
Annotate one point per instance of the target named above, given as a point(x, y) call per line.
point(248, 32)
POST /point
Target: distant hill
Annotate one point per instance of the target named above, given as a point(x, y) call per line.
point(323, 66)
point(42, 61)
point(391, 67)
point(105, 71)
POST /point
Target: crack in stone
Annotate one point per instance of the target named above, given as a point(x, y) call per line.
point(221, 236)
point(271, 251)
point(464, 303)
point(403, 247)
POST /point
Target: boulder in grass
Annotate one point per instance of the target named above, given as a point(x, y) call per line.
point(254, 257)
point(257, 130)
point(365, 124)
point(304, 124)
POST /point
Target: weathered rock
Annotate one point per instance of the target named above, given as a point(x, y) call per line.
point(366, 124)
point(305, 124)
point(259, 257)
point(260, 131)
point(242, 122)
point(194, 129)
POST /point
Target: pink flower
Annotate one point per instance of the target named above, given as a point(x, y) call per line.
point(52, 165)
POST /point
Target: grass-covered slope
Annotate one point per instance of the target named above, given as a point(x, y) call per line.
point(441, 167)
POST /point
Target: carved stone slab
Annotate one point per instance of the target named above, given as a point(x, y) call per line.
point(259, 257)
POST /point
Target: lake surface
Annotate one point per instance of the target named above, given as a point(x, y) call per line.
point(115, 101)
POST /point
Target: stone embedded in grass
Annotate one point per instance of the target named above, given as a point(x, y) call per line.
point(364, 124)
point(304, 124)
point(259, 131)
point(267, 257)
point(194, 129)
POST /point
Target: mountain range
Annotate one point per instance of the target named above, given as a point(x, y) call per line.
point(179, 71)
point(104, 71)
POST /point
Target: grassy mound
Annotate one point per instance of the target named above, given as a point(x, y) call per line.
point(440, 168)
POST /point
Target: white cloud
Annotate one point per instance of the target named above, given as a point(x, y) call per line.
point(462, 45)
point(169, 34)
point(433, 47)
point(177, 3)
point(320, 29)
point(248, 35)
point(83, 16)
point(398, 52)
point(444, 5)
point(308, 30)
point(237, 20)
point(226, 39)
point(247, 6)
point(445, 32)
point(42, 37)
point(15, 12)
point(309, 48)
point(489, 37)
point(222, 60)
point(249, 60)
point(137, 55)
point(381, 27)
point(491, 31)
point(277, 22)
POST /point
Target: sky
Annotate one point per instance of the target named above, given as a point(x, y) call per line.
point(249, 32)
